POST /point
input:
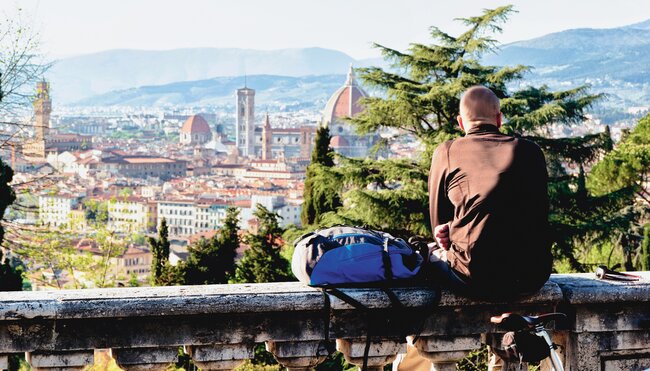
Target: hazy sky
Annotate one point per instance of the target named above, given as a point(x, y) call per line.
point(69, 27)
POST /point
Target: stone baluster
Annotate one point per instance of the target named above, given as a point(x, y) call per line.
point(220, 356)
point(66, 360)
point(298, 355)
point(151, 359)
point(444, 352)
point(381, 353)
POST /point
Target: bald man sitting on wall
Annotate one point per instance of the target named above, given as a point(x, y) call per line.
point(489, 209)
point(489, 206)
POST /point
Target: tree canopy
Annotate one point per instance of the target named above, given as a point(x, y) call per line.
point(213, 260)
point(421, 96)
point(263, 262)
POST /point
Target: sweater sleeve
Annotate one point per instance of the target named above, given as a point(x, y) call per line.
point(441, 210)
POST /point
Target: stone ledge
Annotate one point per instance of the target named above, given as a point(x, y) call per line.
point(219, 324)
point(215, 299)
point(584, 288)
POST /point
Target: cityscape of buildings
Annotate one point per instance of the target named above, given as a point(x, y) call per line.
point(186, 168)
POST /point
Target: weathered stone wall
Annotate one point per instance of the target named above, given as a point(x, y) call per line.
point(608, 326)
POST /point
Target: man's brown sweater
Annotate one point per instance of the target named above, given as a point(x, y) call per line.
point(492, 190)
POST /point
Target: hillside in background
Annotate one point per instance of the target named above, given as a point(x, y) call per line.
point(615, 61)
point(278, 91)
point(77, 78)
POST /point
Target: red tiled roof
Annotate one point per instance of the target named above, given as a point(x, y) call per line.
point(338, 141)
point(195, 124)
point(147, 160)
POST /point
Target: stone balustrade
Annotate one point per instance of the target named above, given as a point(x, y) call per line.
point(608, 326)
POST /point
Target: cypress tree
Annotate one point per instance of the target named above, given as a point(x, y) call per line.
point(319, 197)
point(160, 252)
point(322, 153)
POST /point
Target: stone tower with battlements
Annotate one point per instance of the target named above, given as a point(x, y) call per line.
point(35, 147)
point(42, 109)
point(245, 123)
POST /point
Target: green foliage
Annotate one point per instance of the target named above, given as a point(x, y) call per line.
point(133, 280)
point(335, 362)
point(319, 197)
point(262, 262)
point(50, 253)
point(11, 275)
point(7, 194)
point(626, 166)
point(17, 362)
point(645, 249)
point(390, 195)
point(250, 366)
point(323, 186)
point(184, 361)
point(422, 100)
point(213, 261)
point(322, 153)
point(161, 270)
point(476, 360)
point(125, 192)
point(109, 246)
point(96, 211)
point(289, 236)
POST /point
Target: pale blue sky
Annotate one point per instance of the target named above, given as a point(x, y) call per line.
point(71, 27)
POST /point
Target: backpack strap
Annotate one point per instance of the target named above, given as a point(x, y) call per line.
point(327, 309)
point(388, 269)
point(357, 305)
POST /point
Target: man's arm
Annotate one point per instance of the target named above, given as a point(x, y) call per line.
point(441, 210)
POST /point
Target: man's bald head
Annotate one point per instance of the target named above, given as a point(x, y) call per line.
point(479, 105)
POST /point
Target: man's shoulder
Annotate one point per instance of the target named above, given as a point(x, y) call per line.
point(527, 144)
point(444, 146)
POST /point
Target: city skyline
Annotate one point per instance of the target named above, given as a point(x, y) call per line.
point(350, 27)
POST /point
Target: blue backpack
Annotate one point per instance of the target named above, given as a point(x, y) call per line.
point(353, 256)
point(345, 256)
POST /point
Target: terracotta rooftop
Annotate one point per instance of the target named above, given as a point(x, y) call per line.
point(195, 124)
point(345, 101)
point(338, 141)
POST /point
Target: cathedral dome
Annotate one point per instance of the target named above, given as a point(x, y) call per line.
point(345, 101)
point(195, 124)
point(338, 141)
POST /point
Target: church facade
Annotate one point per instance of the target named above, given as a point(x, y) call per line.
point(264, 141)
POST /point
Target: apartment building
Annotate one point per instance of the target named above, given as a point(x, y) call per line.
point(56, 210)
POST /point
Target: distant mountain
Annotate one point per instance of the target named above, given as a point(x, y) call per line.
point(615, 61)
point(80, 77)
point(278, 91)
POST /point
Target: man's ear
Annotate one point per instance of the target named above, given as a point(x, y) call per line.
point(460, 122)
point(499, 119)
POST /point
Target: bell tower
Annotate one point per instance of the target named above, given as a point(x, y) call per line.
point(42, 108)
point(245, 124)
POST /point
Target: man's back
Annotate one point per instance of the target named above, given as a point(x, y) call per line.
point(492, 189)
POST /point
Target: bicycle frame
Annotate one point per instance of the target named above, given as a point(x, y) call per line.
point(555, 358)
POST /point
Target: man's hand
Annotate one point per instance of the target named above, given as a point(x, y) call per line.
point(441, 233)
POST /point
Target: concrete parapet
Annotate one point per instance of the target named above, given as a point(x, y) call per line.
point(608, 326)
